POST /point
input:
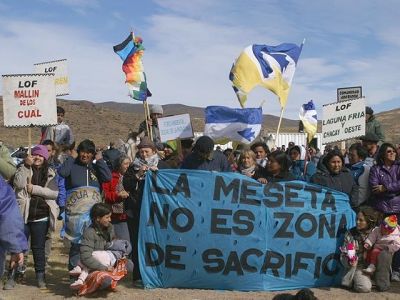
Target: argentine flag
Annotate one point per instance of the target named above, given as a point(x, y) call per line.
point(235, 124)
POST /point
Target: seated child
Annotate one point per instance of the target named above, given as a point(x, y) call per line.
point(99, 252)
point(385, 237)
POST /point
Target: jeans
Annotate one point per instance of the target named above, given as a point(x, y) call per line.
point(74, 256)
point(121, 230)
point(37, 231)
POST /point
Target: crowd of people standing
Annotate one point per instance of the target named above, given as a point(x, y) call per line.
point(98, 195)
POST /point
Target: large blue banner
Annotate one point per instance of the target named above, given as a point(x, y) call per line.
point(201, 229)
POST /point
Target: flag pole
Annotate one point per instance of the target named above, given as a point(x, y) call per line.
point(279, 125)
point(145, 104)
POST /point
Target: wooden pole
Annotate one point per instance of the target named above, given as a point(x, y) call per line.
point(148, 115)
point(29, 140)
point(279, 125)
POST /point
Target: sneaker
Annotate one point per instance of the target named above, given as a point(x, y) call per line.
point(395, 276)
point(75, 271)
point(76, 285)
point(370, 270)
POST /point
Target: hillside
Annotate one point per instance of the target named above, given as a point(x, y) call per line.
point(105, 122)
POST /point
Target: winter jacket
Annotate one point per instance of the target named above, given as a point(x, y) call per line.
point(360, 172)
point(357, 238)
point(77, 174)
point(297, 169)
point(12, 236)
point(61, 134)
point(373, 126)
point(389, 242)
point(120, 248)
point(217, 162)
point(342, 182)
point(111, 195)
point(95, 239)
point(49, 192)
point(387, 202)
point(7, 167)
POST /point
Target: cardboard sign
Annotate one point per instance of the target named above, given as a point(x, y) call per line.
point(29, 100)
point(349, 93)
point(343, 120)
point(210, 230)
point(60, 70)
point(174, 127)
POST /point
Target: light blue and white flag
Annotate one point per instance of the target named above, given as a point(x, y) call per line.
point(308, 115)
point(236, 124)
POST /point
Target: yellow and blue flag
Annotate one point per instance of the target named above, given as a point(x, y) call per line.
point(272, 67)
point(308, 115)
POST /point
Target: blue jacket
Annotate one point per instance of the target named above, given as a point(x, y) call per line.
point(77, 174)
point(217, 162)
point(12, 237)
point(297, 169)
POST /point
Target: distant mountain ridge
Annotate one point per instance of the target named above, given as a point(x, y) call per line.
point(108, 121)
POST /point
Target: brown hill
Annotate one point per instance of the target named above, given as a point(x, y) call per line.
point(105, 122)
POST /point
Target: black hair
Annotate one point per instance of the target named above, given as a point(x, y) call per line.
point(330, 155)
point(60, 110)
point(187, 143)
point(49, 142)
point(99, 210)
point(260, 144)
point(295, 148)
point(87, 146)
point(361, 151)
point(380, 160)
point(282, 159)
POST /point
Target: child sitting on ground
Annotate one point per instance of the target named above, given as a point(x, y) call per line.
point(98, 249)
point(385, 237)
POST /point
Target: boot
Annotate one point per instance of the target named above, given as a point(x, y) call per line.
point(40, 278)
point(10, 283)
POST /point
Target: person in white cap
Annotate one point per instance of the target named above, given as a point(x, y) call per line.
point(156, 111)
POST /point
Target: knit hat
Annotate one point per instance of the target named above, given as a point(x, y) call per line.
point(41, 150)
point(390, 223)
point(145, 142)
point(370, 137)
point(369, 110)
point(156, 109)
point(204, 144)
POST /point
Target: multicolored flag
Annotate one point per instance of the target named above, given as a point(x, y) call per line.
point(308, 115)
point(236, 124)
point(131, 52)
point(272, 67)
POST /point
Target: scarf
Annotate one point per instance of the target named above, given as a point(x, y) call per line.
point(247, 171)
point(151, 161)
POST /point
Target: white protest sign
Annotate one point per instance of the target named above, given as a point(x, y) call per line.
point(349, 93)
point(173, 127)
point(29, 100)
point(343, 120)
point(60, 70)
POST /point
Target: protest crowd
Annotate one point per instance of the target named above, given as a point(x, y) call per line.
point(97, 195)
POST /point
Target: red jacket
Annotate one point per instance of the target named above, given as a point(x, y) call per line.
point(111, 196)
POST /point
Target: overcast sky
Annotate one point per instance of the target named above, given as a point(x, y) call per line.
point(191, 45)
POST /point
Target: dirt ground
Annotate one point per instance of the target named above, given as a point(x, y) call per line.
point(58, 288)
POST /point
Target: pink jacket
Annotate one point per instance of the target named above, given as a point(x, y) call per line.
point(391, 242)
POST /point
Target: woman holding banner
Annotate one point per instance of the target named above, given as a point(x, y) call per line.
point(278, 167)
point(36, 188)
point(133, 183)
point(248, 166)
point(332, 173)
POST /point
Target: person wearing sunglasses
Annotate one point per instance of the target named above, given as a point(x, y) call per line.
point(384, 180)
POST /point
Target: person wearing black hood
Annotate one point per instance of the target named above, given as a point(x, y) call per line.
point(83, 180)
point(372, 125)
point(332, 173)
point(203, 157)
